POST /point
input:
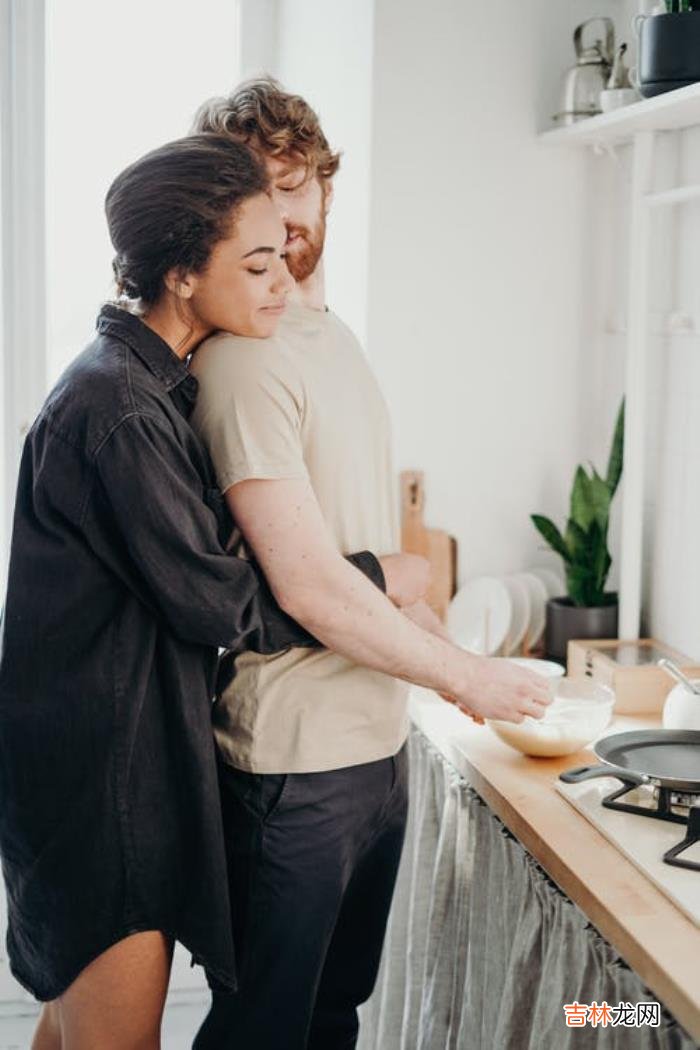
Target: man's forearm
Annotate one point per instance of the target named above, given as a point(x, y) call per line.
point(347, 614)
point(277, 629)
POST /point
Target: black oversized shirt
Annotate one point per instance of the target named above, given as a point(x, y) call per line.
point(120, 594)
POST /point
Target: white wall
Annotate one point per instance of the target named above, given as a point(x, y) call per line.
point(671, 599)
point(325, 54)
point(480, 261)
point(496, 308)
point(113, 93)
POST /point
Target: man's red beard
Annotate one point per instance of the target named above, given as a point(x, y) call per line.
point(304, 254)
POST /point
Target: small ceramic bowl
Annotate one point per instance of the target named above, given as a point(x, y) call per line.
point(580, 711)
point(614, 98)
point(548, 668)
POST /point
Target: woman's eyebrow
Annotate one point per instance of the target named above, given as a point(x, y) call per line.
point(255, 251)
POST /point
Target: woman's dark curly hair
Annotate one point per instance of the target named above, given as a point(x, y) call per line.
point(168, 210)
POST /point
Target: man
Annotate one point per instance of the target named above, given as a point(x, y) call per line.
point(312, 745)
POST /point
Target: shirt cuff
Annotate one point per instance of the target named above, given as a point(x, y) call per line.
point(368, 563)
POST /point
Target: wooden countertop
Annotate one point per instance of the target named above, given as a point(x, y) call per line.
point(651, 934)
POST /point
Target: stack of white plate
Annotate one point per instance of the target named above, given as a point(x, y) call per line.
point(503, 615)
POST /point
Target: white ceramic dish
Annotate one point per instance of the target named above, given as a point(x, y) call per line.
point(520, 616)
point(548, 668)
point(478, 617)
point(579, 713)
point(538, 601)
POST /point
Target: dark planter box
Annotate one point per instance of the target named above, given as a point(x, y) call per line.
point(669, 52)
point(566, 621)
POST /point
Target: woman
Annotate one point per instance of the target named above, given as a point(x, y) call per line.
point(119, 595)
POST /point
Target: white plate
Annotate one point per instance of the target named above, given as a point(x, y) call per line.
point(553, 581)
point(520, 617)
point(538, 600)
point(479, 615)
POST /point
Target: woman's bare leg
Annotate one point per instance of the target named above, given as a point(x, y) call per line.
point(117, 1002)
point(47, 1035)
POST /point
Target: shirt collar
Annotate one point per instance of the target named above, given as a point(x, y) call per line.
point(155, 353)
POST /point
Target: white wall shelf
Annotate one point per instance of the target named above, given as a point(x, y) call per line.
point(638, 125)
point(671, 111)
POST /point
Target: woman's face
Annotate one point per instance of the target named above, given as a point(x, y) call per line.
point(246, 282)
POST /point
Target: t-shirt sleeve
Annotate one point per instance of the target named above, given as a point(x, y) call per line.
point(249, 409)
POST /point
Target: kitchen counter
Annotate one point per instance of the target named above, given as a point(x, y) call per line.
point(648, 931)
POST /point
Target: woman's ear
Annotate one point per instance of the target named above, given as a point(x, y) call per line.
point(179, 284)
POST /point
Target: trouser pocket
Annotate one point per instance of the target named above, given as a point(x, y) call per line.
point(272, 790)
point(260, 793)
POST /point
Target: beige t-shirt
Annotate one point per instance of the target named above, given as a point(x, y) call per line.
point(304, 404)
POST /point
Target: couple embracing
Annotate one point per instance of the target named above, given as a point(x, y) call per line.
point(213, 472)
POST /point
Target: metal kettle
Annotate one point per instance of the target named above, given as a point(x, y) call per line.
point(584, 82)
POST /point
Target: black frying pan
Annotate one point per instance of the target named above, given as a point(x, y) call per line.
point(668, 758)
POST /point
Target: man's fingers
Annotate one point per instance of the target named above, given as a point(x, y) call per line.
point(465, 710)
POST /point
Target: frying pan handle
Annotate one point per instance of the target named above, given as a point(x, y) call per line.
point(575, 776)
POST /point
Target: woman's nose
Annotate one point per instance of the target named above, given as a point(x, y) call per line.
point(284, 282)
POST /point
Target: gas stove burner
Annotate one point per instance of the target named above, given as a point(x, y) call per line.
point(663, 804)
point(682, 800)
point(673, 855)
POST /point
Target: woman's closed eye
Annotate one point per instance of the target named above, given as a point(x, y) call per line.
point(258, 271)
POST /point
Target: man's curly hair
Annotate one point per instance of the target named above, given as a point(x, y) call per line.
point(271, 121)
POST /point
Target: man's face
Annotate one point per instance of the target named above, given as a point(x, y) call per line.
point(303, 204)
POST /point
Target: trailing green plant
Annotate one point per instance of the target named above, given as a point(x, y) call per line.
point(678, 6)
point(584, 545)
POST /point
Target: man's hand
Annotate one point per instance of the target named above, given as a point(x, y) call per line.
point(496, 688)
point(407, 577)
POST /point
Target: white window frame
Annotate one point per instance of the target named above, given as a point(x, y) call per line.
point(22, 175)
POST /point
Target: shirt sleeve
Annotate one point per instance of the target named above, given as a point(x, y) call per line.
point(153, 493)
point(249, 409)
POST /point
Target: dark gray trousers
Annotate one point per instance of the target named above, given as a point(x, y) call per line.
point(312, 859)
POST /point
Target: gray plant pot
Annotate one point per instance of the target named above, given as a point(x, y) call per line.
point(566, 621)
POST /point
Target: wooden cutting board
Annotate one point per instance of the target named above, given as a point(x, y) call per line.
point(434, 544)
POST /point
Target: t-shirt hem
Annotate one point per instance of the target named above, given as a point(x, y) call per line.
point(341, 762)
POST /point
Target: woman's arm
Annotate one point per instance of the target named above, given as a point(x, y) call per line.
point(149, 488)
point(284, 527)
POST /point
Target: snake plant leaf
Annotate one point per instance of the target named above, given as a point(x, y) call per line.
point(576, 540)
point(598, 554)
point(581, 585)
point(551, 534)
point(581, 510)
point(600, 500)
point(614, 471)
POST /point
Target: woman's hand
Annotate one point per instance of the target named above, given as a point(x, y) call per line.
point(407, 577)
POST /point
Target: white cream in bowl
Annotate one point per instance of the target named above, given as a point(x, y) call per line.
point(580, 711)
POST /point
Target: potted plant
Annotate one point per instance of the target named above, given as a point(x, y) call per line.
point(669, 47)
point(588, 610)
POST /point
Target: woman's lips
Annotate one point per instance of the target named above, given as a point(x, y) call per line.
point(274, 308)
